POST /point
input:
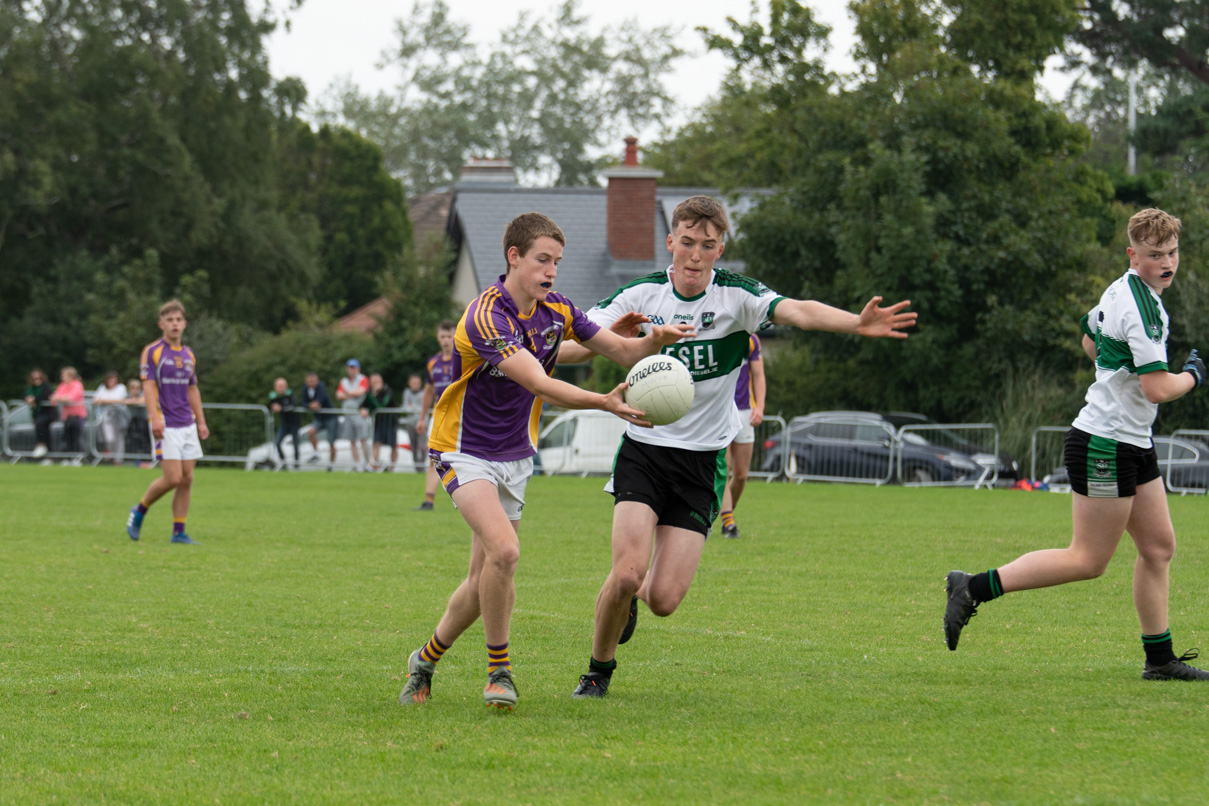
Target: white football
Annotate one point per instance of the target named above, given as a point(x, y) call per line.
point(662, 387)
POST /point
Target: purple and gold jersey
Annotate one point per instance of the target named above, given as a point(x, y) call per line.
point(484, 413)
point(173, 371)
point(743, 385)
point(440, 374)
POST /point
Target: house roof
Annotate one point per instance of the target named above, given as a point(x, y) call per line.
point(588, 273)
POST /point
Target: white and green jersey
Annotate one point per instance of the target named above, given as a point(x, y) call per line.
point(1130, 328)
point(730, 309)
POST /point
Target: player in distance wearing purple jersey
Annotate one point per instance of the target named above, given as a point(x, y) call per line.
point(484, 433)
point(169, 373)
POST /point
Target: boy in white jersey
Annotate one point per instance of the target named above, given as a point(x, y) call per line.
point(178, 424)
point(667, 481)
point(1110, 456)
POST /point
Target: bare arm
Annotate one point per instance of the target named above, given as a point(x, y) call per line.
point(425, 405)
point(1089, 347)
point(1161, 386)
point(203, 430)
point(757, 390)
point(628, 325)
point(872, 321)
point(523, 368)
point(628, 352)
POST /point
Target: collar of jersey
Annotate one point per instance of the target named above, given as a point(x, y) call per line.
point(676, 293)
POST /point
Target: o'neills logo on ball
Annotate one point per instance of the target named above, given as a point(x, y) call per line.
point(659, 366)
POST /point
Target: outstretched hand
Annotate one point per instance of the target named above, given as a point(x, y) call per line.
point(890, 321)
point(615, 403)
point(668, 335)
point(629, 325)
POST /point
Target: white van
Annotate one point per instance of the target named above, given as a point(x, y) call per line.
point(583, 441)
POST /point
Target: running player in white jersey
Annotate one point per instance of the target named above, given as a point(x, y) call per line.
point(668, 480)
point(1110, 457)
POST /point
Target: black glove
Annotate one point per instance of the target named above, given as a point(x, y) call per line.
point(1195, 367)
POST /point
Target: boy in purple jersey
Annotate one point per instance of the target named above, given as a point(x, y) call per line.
point(485, 430)
point(440, 373)
point(168, 370)
point(749, 400)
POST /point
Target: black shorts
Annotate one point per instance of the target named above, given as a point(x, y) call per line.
point(1105, 468)
point(683, 487)
point(384, 429)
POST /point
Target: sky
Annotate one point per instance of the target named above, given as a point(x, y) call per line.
point(330, 39)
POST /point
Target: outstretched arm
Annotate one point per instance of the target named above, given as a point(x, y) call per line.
point(629, 326)
point(872, 321)
point(523, 368)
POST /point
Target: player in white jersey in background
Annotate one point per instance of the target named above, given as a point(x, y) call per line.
point(668, 480)
point(1110, 456)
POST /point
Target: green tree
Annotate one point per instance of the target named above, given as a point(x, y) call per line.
point(550, 94)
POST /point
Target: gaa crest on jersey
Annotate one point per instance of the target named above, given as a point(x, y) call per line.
point(707, 320)
point(1156, 332)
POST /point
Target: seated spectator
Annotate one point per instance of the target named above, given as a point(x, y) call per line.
point(113, 415)
point(69, 397)
point(379, 397)
point(315, 397)
point(283, 402)
point(37, 397)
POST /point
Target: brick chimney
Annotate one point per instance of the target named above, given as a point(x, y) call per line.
point(631, 207)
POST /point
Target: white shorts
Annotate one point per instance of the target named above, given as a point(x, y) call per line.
point(356, 426)
point(747, 432)
point(509, 478)
point(180, 444)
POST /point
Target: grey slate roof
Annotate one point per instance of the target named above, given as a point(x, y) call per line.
point(588, 273)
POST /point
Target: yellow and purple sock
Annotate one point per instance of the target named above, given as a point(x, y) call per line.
point(728, 519)
point(430, 498)
point(142, 507)
point(497, 658)
point(178, 526)
point(433, 650)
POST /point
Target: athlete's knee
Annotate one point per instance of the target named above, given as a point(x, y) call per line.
point(664, 605)
point(504, 556)
point(186, 480)
point(1158, 552)
point(627, 580)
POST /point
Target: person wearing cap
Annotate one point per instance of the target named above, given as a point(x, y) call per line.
point(351, 392)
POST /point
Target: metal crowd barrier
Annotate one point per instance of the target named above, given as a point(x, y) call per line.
point(1185, 462)
point(409, 461)
point(137, 441)
point(767, 462)
point(20, 438)
point(839, 448)
point(948, 455)
point(1047, 451)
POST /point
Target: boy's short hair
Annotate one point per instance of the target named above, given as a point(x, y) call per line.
point(526, 228)
point(449, 324)
point(1152, 226)
point(696, 209)
point(172, 306)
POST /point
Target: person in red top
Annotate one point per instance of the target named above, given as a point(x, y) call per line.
point(69, 396)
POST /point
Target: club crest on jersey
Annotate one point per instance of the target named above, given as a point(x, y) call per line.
point(550, 334)
point(1100, 469)
point(499, 342)
point(1156, 332)
point(707, 320)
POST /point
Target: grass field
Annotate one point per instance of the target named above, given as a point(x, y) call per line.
point(807, 663)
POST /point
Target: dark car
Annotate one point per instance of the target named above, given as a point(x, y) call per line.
point(1002, 461)
point(1183, 464)
point(863, 446)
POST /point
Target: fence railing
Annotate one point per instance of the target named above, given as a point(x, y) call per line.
point(1186, 461)
point(1046, 452)
point(949, 455)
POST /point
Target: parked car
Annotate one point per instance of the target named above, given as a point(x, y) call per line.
point(583, 441)
point(1004, 462)
point(265, 457)
point(1187, 468)
point(21, 436)
point(863, 446)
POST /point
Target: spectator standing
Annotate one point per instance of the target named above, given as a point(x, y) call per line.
point(379, 397)
point(351, 392)
point(37, 397)
point(413, 402)
point(442, 371)
point(138, 433)
point(283, 402)
point(69, 397)
point(316, 398)
point(112, 415)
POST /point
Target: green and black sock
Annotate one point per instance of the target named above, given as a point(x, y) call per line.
point(985, 587)
point(1158, 648)
point(603, 669)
